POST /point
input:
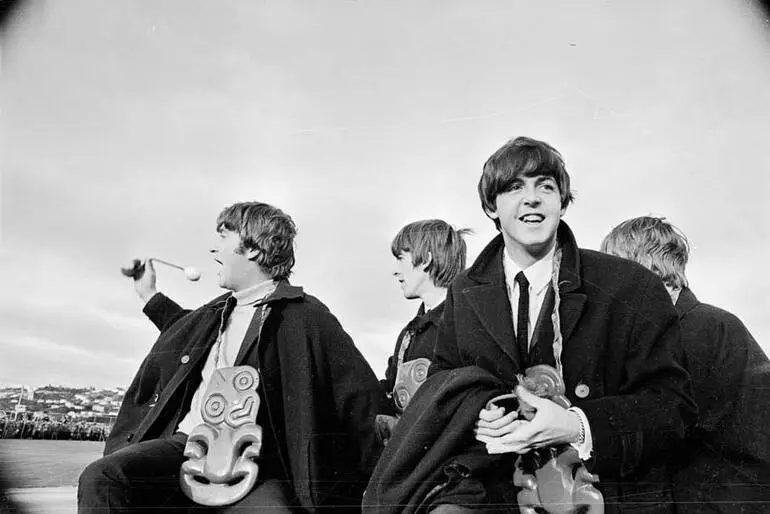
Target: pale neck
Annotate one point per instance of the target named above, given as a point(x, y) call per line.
point(524, 258)
point(251, 280)
point(433, 297)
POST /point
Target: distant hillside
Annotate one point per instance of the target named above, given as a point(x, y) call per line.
point(57, 401)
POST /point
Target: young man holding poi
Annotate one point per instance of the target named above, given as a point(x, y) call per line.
point(314, 395)
point(533, 297)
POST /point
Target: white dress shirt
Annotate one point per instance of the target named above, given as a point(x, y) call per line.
point(539, 275)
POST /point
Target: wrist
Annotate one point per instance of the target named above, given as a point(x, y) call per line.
point(580, 433)
point(147, 294)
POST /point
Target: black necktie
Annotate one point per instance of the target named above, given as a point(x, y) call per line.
point(523, 317)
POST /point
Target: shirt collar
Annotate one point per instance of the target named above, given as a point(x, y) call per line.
point(538, 274)
point(423, 319)
point(254, 293)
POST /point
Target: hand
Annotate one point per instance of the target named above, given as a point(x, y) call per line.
point(494, 424)
point(551, 425)
point(384, 425)
point(143, 273)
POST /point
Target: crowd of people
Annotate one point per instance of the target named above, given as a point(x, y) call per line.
point(66, 429)
point(657, 402)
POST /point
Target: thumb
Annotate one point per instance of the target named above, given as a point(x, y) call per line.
point(526, 396)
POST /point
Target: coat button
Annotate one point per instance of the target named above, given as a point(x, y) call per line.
point(185, 359)
point(582, 391)
point(130, 437)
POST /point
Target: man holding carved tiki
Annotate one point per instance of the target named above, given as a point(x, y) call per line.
point(618, 400)
point(428, 256)
point(258, 400)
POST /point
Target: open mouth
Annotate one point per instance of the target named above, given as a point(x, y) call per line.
point(532, 218)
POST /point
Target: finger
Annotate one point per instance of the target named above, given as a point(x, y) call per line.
point(496, 447)
point(508, 434)
point(498, 427)
point(489, 415)
point(526, 396)
point(522, 433)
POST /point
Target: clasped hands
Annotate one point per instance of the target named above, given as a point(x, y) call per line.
point(503, 432)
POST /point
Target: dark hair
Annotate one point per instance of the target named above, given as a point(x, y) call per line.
point(655, 244)
point(519, 157)
point(266, 229)
point(435, 241)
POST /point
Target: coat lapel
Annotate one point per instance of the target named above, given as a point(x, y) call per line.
point(198, 350)
point(491, 305)
point(571, 308)
point(572, 301)
point(489, 299)
point(251, 339)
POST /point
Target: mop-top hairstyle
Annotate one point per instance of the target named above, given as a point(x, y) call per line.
point(266, 229)
point(436, 242)
point(655, 244)
point(521, 157)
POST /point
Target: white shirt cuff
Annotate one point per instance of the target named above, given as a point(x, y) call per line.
point(586, 448)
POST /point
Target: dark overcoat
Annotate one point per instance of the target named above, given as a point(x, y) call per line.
point(330, 393)
point(621, 342)
point(725, 465)
point(423, 328)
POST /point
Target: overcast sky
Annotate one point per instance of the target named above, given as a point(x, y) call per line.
point(127, 126)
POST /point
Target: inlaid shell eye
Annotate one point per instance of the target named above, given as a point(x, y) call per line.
point(420, 372)
point(215, 406)
point(402, 397)
point(243, 381)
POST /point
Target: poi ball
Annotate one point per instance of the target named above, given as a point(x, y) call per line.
point(192, 274)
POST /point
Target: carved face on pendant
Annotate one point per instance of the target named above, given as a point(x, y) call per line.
point(220, 469)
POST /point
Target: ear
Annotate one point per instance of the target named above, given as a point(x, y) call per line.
point(491, 214)
point(250, 253)
point(423, 266)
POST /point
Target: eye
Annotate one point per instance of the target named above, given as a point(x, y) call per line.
point(548, 186)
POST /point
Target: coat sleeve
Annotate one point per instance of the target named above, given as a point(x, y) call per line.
point(653, 408)
point(356, 393)
point(163, 311)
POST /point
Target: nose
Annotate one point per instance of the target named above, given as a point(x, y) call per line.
point(531, 195)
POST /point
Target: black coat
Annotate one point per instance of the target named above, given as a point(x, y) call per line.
point(330, 393)
point(433, 436)
point(621, 342)
point(424, 328)
point(725, 465)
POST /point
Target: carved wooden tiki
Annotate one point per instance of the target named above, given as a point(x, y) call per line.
point(221, 452)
